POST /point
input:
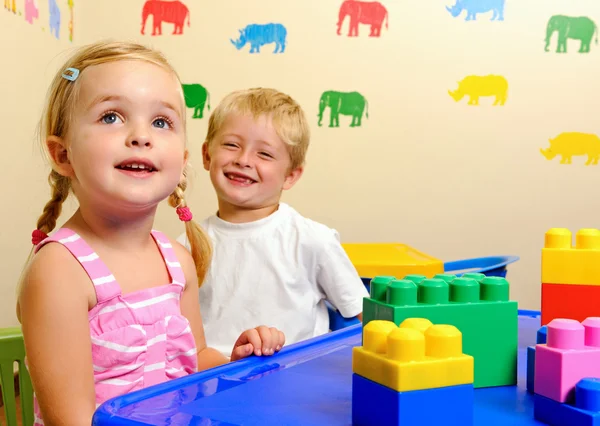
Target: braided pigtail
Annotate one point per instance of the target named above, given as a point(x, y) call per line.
point(47, 221)
point(201, 248)
point(60, 191)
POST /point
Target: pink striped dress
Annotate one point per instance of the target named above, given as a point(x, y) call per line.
point(138, 339)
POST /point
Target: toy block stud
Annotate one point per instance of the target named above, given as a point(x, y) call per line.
point(587, 239)
point(474, 275)
point(433, 291)
point(401, 293)
point(584, 412)
point(375, 336)
point(587, 394)
point(572, 352)
point(415, 278)
point(379, 286)
point(464, 290)
point(445, 277)
point(416, 355)
point(558, 238)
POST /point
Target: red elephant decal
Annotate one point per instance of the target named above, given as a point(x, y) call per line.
point(363, 12)
point(168, 11)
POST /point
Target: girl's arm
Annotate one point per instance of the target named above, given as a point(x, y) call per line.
point(190, 308)
point(53, 310)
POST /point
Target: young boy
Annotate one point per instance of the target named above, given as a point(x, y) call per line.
point(270, 265)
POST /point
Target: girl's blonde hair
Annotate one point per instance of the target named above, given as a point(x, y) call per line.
point(60, 105)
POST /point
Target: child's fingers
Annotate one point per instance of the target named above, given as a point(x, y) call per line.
point(255, 339)
point(267, 339)
point(280, 340)
point(242, 351)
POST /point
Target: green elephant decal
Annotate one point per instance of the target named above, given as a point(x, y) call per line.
point(568, 27)
point(196, 96)
point(345, 103)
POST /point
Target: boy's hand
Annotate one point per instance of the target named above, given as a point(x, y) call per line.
point(261, 340)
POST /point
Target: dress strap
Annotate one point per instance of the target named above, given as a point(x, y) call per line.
point(168, 254)
point(105, 284)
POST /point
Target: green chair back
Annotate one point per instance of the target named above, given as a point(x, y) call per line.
point(12, 349)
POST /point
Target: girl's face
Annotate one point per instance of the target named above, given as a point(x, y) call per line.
point(126, 144)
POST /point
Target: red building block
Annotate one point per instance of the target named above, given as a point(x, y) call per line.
point(576, 302)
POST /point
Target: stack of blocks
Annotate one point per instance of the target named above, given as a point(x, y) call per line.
point(570, 275)
point(477, 305)
point(415, 374)
point(567, 374)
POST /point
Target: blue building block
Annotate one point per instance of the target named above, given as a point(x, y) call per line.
point(541, 337)
point(377, 405)
point(530, 368)
point(585, 412)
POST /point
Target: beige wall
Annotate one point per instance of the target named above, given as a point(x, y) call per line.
point(452, 180)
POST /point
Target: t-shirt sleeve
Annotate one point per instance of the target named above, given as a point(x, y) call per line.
point(338, 277)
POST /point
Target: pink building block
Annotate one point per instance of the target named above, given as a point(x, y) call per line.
point(571, 353)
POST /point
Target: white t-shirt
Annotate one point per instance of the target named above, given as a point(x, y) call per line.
point(277, 272)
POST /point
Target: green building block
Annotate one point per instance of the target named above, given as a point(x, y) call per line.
point(479, 307)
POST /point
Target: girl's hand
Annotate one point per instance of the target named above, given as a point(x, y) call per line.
point(261, 340)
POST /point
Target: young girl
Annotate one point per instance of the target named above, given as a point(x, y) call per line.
point(107, 304)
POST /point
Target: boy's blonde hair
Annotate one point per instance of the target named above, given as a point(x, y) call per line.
point(60, 105)
point(287, 115)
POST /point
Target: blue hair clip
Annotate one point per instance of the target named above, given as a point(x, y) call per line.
point(71, 74)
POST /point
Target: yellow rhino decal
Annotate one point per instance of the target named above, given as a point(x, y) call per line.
point(475, 86)
point(568, 144)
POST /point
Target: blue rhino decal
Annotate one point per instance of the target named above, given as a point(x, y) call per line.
point(258, 35)
point(473, 7)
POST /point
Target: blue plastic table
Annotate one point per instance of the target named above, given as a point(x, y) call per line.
point(308, 383)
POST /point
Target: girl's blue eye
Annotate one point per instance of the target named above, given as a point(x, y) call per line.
point(109, 118)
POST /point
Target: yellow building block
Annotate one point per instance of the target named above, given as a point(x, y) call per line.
point(397, 260)
point(563, 263)
point(416, 355)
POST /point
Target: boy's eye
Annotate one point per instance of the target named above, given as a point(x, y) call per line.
point(109, 118)
point(266, 154)
point(162, 123)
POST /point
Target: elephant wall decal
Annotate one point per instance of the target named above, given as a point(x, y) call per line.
point(345, 103)
point(371, 13)
point(577, 28)
point(196, 96)
point(54, 18)
point(173, 12)
point(31, 11)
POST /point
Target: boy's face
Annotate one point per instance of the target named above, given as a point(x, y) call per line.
point(249, 164)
